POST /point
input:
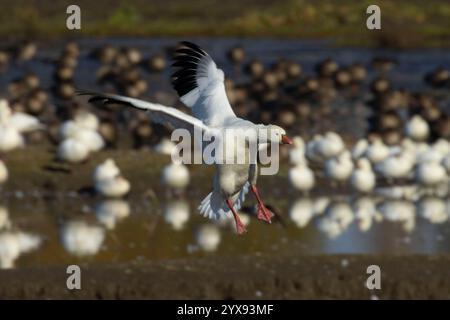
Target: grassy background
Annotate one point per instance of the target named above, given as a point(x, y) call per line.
point(405, 23)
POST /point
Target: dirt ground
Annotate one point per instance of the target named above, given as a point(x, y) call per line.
point(245, 277)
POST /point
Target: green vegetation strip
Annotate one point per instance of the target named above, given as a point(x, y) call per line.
point(405, 23)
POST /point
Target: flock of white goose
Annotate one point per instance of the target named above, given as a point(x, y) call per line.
point(413, 161)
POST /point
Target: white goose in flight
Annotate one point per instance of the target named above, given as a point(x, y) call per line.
point(200, 85)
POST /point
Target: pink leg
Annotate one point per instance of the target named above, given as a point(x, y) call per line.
point(240, 228)
point(263, 213)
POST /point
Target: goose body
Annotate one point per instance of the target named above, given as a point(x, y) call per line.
point(331, 145)
point(430, 173)
point(22, 122)
point(72, 151)
point(432, 209)
point(87, 120)
point(165, 146)
point(362, 178)
point(10, 138)
point(359, 149)
point(396, 166)
point(84, 130)
point(417, 128)
point(107, 170)
point(91, 139)
point(3, 172)
point(301, 177)
point(339, 168)
point(446, 163)
point(377, 151)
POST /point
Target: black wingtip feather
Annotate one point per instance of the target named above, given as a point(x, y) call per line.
point(194, 47)
point(186, 61)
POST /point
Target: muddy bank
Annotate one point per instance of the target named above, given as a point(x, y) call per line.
point(245, 277)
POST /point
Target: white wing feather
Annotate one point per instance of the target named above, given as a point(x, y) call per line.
point(158, 113)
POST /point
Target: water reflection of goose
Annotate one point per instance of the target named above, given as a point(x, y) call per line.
point(82, 239)
point(244, 215)
point(15, 243)
point(208, 237)
point(175, 176)
point(301, 212)
point(338, 217)
point(399, 211)
point(109, 212)
point(176, 213)
point(320, 205)
point(365, 212)
point(72, 151)
point(432, 209)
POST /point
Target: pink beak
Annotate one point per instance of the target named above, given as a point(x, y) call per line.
point(285, 139)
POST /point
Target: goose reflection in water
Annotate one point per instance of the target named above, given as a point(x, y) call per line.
point(110, 212)
point(14, 242)
point(81, 239)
